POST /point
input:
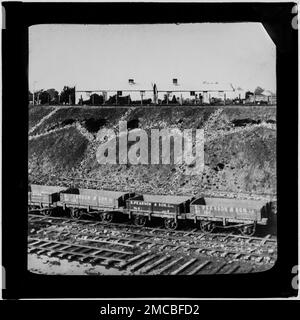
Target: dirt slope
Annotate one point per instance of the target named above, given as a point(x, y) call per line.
point(240, 149)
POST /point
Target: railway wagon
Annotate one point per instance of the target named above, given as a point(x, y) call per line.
point(227, 213)
point(101, 203)
point(170, 208)
point(43, 198)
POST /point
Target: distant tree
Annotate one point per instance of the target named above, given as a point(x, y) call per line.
point(67, 96)
point(96, 99)
point(166, 99)
point(53, 96)
point(200, 98)
point(216, 101)
point(44, 97)
point(112, 99)
point(40, 97)
point(124, 100)
point(174, 100)
point(147, 101)
point(258, 90)
point(80, 101)
point(85, 102)
point(121, 100)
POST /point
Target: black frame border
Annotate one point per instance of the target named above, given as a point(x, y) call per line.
point(276, 18)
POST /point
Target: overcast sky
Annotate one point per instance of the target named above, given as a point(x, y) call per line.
point(92, 57)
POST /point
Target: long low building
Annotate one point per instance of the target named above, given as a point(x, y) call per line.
point(160, 91)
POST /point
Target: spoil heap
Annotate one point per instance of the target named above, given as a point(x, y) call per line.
point(240, 149)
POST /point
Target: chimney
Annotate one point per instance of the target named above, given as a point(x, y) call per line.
point(131, 81)
point(175, 81)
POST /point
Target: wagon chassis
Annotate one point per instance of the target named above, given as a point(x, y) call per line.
point(76, 213)
point(141, 219)
point(246, 228)
point(44, 209)
point(170, 234)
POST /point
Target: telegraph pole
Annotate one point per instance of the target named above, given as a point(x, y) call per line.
point(34, 82)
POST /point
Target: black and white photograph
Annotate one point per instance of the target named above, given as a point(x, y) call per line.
point(152, 149)
point(149, 157)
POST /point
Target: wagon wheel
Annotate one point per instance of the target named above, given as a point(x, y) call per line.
point(107, 217)
point(75, 213)
point(171, 224)
point(207, 227)
point(33, 208)
point(140, 220)
point(99, 216)
point(47, 212)
point(248, 230)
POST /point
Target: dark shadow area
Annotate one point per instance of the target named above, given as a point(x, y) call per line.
point(133, 124)
point(244, 122)
point(93, 125)
point(68, 122)
point(271, 121)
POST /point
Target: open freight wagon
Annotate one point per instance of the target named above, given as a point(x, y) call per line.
point(243, 215)
point(102, 203)
point(43, 198)
point(170, 208)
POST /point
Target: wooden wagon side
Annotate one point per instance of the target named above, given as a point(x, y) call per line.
point(43, 199)
point(225, 213)
point(169, 208)
point(101, 203)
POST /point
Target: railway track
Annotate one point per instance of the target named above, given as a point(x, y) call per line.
point(146, 262)
point(194, 234)
point(148, 250)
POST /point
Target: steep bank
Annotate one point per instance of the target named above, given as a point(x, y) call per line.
point(240, 149)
